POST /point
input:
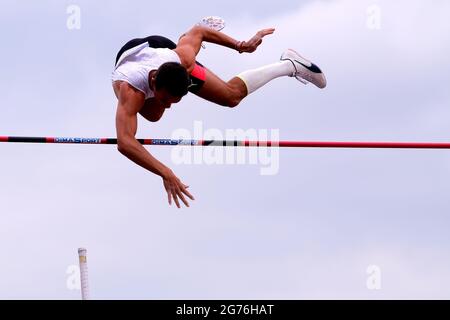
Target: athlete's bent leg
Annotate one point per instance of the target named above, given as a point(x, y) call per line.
point(232, 92)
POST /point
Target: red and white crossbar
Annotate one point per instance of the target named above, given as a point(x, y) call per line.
point(237, 143)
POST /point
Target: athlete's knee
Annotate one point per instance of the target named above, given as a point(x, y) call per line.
point(234, 97)
point(233, 103)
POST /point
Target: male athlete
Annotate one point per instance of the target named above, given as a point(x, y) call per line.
point(152, 73)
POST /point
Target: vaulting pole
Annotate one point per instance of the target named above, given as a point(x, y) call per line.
point(84, 278)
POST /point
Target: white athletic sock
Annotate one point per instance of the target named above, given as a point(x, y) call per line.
point(256, 78)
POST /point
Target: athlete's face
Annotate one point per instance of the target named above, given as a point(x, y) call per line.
point(163, 97)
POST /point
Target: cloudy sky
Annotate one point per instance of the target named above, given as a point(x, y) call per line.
point(312, 230)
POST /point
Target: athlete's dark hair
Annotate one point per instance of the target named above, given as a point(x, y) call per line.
point(174, 78)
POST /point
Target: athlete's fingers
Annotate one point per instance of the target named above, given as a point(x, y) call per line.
point(176, 199)
point(169, 195)
point(266, 32)
point(185, 185)
point(181, 196)
point(179, 191)
point(183, 188)
point(188, 193)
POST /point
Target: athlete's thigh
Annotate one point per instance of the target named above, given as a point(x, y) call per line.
point(215, 89)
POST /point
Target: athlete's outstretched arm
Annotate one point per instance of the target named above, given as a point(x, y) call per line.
point(190, 43)
point(130, 102)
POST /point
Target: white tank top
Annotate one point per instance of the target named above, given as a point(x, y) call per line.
point(136, 63)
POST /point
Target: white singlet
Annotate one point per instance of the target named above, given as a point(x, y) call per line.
point(136, 63)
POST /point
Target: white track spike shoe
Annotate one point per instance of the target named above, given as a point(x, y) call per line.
point(213, 22)
point(305, 70)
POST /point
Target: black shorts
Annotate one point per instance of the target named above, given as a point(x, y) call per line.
point(197, 76)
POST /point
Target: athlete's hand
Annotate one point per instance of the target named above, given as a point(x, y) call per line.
point(251, 45)
point(176, 189)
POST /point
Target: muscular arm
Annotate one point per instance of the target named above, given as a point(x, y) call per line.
point(130, 102)
point(190, 43)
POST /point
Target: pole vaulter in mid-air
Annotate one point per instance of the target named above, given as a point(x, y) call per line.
point(153, 73)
